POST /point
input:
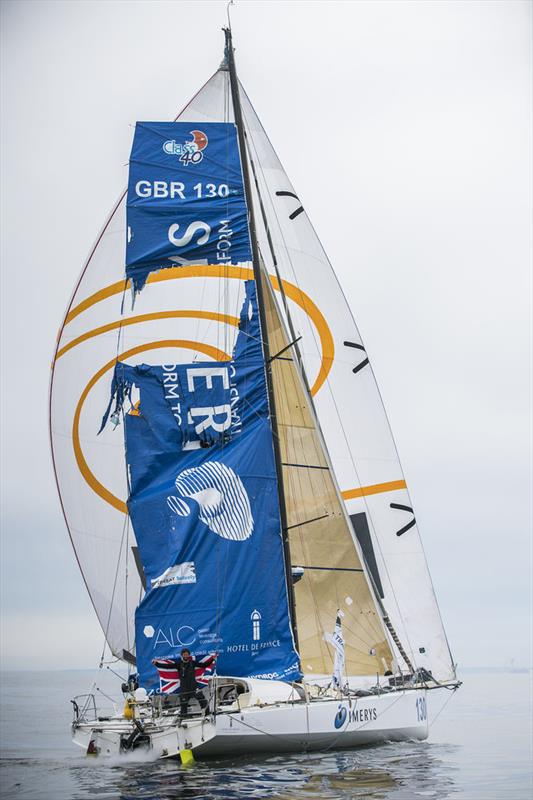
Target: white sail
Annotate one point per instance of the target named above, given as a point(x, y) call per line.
point(351, 413)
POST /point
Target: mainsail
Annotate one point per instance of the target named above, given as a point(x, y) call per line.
point(362, 555)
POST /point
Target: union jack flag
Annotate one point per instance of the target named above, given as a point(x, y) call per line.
point(169, 677)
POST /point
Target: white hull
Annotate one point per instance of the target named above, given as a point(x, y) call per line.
point(283, 727)
point(368, 720)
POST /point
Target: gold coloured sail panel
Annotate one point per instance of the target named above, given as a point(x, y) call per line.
point(319, 537)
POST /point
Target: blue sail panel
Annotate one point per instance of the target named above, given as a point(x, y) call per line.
point(186, 201)
point(205, 510)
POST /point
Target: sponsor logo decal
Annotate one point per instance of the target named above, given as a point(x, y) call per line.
point(179, 573)
point(223, 502)
point(361, 715)
point(255, 616)
point(168, 637)
point(340, 717)
point(189, 152)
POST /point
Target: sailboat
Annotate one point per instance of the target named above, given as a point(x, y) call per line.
point(225, 465)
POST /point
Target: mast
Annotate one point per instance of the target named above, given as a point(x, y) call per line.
point(237, 111)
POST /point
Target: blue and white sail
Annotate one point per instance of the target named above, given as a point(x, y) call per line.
point(204, 507)
point(186, 200)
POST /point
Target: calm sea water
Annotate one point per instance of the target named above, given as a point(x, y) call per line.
point(479, 748)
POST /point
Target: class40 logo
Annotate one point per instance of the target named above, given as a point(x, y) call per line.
point(190, 152)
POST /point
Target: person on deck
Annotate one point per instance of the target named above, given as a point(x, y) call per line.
point(189, 688)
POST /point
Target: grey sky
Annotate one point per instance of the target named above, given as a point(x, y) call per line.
point(406, 128)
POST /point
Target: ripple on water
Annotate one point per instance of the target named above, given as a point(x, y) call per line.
point(388, 771)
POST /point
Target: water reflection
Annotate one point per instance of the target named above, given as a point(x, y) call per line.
point(399, 771)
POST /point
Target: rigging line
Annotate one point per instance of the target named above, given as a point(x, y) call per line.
point(126, 553)
point(120, 329)
point(291, 344)
point(327, 569)
point(198, 319)
point(115, 673)
point(305, 466)
point(367, 623)
point(366, 629)
point(106, 631)
point(306, 522)
point(258, 415)
point(106, 695)
point(452, 692)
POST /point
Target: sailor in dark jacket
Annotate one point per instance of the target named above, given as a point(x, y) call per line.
point(189, 688)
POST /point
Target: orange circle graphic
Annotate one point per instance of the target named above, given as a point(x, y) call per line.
point(291, 291)
point(94, 483)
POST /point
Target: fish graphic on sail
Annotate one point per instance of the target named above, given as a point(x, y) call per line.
point(221, 497)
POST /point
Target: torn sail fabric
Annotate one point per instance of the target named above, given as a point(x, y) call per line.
point(186, 200)
point(205, 512)
point(198, 395)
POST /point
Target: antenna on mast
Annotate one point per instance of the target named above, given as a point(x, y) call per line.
point(227, 11)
